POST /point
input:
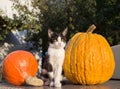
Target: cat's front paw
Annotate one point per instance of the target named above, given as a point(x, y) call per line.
point(51, 84)
point(58, 84)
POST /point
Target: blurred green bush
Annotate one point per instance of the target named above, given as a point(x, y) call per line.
point(77, 15)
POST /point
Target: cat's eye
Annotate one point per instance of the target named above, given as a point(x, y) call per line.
point(55, 40)
point(62, 40)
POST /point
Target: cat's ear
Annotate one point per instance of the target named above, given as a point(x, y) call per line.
point(50, 32)
point(65, 31)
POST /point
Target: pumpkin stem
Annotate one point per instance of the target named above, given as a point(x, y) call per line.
point(91, 28)
point(34, 81)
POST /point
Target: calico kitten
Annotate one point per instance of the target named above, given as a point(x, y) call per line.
point(55, 58)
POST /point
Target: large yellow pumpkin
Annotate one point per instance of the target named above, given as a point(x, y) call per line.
point(88, 58)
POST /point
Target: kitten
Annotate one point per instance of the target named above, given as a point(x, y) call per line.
point(55, 58)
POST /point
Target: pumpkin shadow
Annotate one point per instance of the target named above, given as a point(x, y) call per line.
point(95, 87)
point(80, 86)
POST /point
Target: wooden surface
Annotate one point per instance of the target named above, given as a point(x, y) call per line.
point(111, 84)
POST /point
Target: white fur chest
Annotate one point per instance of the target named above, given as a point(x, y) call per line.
point(56, 56)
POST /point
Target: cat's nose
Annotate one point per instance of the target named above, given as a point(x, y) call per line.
point(59, 44)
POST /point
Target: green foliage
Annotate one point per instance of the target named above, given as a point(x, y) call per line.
point(77, 15)
point(103, 13)
point(54, 17)
point(5, 27)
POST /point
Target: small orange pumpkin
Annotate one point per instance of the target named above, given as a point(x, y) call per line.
point(88, 58)
point(18, 66)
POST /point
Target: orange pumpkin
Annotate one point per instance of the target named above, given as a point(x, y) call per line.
point(18, 65)
point(88, 58)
